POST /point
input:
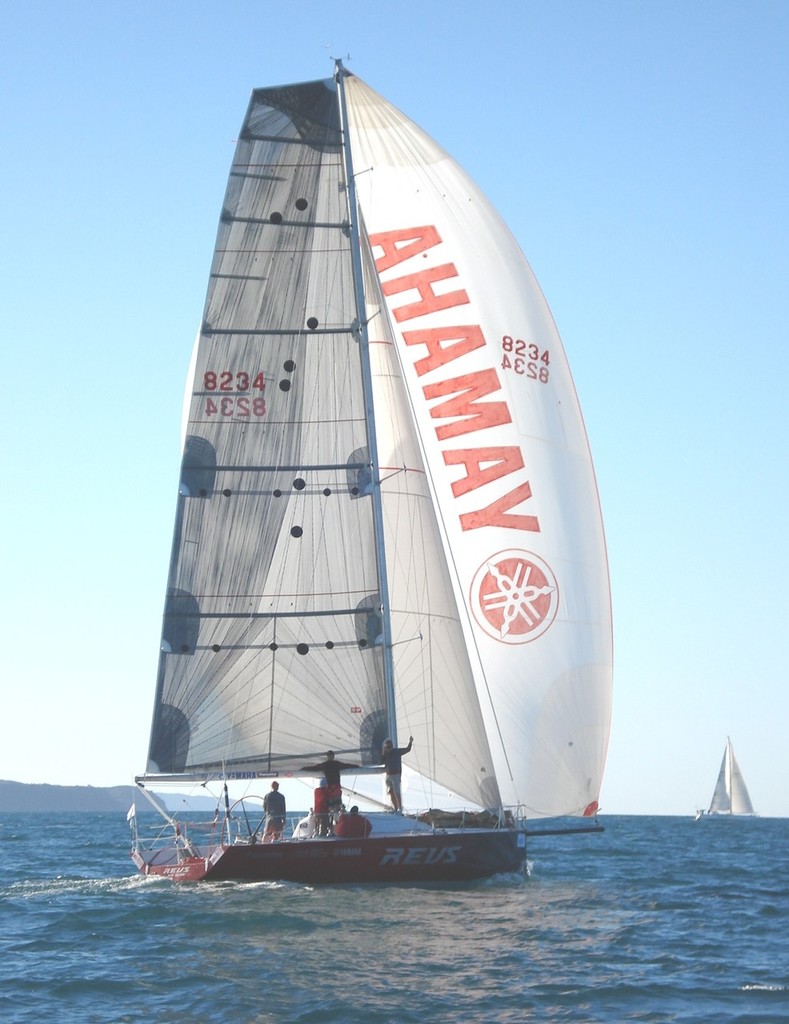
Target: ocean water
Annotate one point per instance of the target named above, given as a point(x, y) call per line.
point(656, 920)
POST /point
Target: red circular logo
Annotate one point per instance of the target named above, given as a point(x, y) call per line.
point(514, 596)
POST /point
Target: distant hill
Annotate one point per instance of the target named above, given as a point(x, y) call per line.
point(28, 797)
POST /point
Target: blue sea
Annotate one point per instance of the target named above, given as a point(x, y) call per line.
point(657, 919)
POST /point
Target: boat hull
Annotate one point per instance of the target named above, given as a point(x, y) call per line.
point(435, 857)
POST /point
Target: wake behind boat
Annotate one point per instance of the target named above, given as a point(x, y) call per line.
point(387, 517)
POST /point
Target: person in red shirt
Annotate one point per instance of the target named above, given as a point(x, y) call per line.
point(330, 769)
point(321, 808)
point(353, 825)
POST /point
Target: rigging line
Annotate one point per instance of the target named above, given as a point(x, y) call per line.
point(408, 640)
point(397, 472)
point(430, 713)
point(365, 796)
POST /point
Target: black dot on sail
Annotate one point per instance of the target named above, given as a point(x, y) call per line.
point(296, 531)
point(276, 218)
point(301, 204)
point(299, 484)
point(329, 645)
point(326, 491)
point(354, 490)
point(216, 648)
point(184, 648)
point(203, 492)
point(284, 385)
point(302, 648)
point(273, 647)
point(277, 493)
point(289, 366)
point(312, 323)
point(362, 643)
point(227, 492)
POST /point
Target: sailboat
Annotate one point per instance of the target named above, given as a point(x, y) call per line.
point(731, 794)
point(387, 519)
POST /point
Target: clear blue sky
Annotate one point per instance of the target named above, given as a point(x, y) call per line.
point(639, 152)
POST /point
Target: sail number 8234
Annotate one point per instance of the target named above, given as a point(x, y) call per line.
point(526, 358)
point(241, 400)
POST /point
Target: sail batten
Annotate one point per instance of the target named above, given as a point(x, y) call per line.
point(303, 225)
point(301, 467)
point(278, 332)
point(265, 615)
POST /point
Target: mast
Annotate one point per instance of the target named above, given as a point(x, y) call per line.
point(360, 328)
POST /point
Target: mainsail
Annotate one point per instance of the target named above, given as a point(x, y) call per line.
point(269, 643)
point(387, 516)
point(731, 794)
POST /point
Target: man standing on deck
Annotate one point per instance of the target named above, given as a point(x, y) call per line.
point(391, 757)
point(274, 806)
point(330, 770)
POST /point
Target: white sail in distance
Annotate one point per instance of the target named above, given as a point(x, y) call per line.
point(731, 794)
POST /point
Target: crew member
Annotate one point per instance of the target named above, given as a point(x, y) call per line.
point(391, 757)
point(353, 825)
point(274, 806)
point(321, 807)
point(330, 769)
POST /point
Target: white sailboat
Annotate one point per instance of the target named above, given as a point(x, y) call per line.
point(387, 520)
point(731, 794)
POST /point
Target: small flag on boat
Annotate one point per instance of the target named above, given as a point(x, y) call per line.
point(132, 812)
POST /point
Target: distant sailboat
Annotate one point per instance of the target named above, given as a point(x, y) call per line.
point(731, 794)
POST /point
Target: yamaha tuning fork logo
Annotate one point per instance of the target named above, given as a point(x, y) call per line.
point(514, 596)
